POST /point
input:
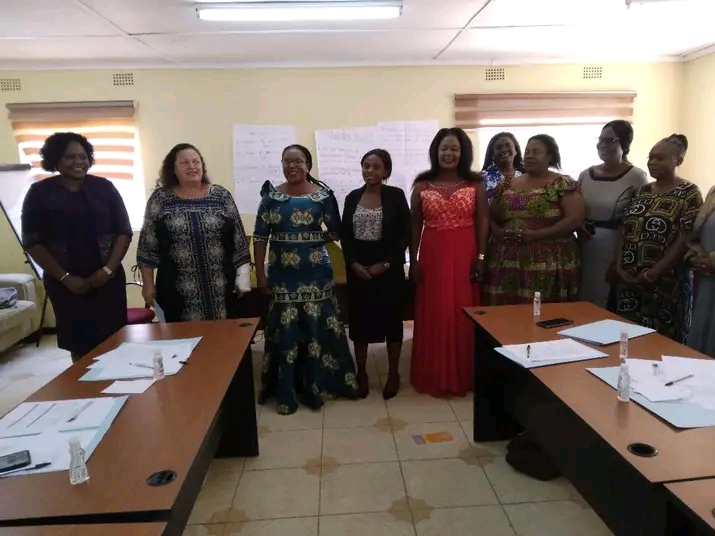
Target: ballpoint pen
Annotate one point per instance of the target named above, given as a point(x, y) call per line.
point(668, 384)
point(31, 468)
point(142, 365)
point(79, 412)
point(528, 351)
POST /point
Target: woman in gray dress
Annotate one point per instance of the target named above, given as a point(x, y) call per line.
point(701, 252)
point(606, 189)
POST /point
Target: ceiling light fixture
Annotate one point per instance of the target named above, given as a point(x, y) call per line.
point(300, 11)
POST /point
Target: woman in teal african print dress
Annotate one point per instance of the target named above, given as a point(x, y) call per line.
point(307, 356)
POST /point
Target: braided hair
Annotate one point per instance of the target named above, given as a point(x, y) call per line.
point(680, 141)
point(308, 163)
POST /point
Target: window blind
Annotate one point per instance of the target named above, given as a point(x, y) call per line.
point(109, 126)
point(504, 110)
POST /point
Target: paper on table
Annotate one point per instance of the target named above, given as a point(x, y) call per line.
point(36, 417)
point(132, 386)
point(655, 390)
point(159, 313)
point(702, 384)
point(549, 353)
point(605, 332)
point(52, 447)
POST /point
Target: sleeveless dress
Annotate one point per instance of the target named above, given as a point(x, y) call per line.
point(443, 345)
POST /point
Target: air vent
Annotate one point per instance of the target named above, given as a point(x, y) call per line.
point(123, 79)
point(494, 73)
point(591, 73)
point(10, 84)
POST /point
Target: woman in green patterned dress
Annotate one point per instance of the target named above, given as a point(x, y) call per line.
point(307, 356)
point(651, 288)
point(533, 247)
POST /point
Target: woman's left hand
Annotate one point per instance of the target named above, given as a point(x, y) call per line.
point(648, 277)
point(478, 270)
point(97, 279)
point(376, 269)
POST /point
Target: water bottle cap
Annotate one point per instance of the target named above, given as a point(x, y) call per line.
point(537, 294)
point(157, 353)
point(75, 442)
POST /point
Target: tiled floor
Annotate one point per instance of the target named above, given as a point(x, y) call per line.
point(355, 469)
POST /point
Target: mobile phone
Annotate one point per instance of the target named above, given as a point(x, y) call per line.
point(554, 323)
point(17, 460)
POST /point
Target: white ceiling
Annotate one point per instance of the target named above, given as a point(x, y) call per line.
point(53, 34)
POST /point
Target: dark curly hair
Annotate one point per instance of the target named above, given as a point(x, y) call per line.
point(167, 174)
point(56, 145)
point(466, 156)
point(681, 143)
point(308, 163)
point(551, 147)
point(489, 154)
point(384, 157)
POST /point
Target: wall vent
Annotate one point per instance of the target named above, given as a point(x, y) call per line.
point(591, 73)
point(494, 73)
point(10, 84)
point(123, 79)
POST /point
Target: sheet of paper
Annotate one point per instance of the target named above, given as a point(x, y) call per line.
point(418, 137)
point(549, 353)
point(37, 417)
point(52, 447)
point(339, 153)
point(129, 386)
point(605, 332)
point(701, 385)
point(655, 390)
point(257, 153)
point(159, 313)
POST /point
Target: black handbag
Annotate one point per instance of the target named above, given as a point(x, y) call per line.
point(526, 456)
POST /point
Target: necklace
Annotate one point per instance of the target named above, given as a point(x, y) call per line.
point(445, 186)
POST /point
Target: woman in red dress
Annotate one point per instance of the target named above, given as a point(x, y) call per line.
point(450, 223)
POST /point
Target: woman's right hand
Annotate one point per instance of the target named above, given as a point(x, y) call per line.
point(149, 294)
point(625, 277)
point(360, 271)
point(76, 285)
point(262, 281)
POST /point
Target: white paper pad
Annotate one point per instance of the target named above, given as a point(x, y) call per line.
point(549, 353)
point(129, 387)
point(604, 332)
point(52, 447)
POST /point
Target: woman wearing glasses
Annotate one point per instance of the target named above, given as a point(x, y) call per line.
point(306, 355)
point(606, 188)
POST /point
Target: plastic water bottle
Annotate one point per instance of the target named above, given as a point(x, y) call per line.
point(158, 365)
point(78, 467)
point(624, 376)
point(623, 350)
point(537, 303)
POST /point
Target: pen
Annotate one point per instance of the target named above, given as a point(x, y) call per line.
point(680, 380)
point(528, 351)
point(184, 362)
point(79, 412)
point(142, 365)
point(32, 468)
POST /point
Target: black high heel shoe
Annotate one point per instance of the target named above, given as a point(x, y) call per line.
point(363, 385)
point(392, 385)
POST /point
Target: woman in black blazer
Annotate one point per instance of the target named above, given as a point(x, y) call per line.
point(375, 235)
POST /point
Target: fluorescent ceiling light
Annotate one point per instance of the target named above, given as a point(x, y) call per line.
point(300, 11)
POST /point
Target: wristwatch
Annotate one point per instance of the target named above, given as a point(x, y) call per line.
point(386, 265)
point(107, 271)
point(480, 256)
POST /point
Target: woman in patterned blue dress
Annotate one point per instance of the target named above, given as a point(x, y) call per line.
point(307, 356)
point(502, 159)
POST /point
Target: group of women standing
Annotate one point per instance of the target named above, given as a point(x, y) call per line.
point(495, 237)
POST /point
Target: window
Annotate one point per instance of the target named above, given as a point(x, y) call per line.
point(109, 126)
point(573, 119)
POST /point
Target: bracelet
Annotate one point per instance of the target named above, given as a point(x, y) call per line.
point(480, 256)
point(64, 277)
point(645, 276)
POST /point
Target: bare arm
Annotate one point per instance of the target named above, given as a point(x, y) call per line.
point(42, 256)
point(481, 220)
point(417, 222)
point(574, 213)
point(672, 256)
point(259, 256)
point(118, 251)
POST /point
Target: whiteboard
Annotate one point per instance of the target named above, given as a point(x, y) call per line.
point(257, 151)
point(15, 181)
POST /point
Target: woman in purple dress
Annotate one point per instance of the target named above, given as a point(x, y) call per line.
point(76, 227)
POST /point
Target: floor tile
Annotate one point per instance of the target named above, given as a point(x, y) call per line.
point(372, 524)
point(296, 448)
point(482, 520)
point(409, 449)
point(276, 493)
point(214, 500)
point(303, 419)
point(362, 444)
point(373, 487)
point(420, 409)
point(297, 526)
point(463, 407)
point(483, 448)
point(226, 465)
point(514, 487)
point(447, 483)
point(558, 518)
point(204, 530)
point(343, 413)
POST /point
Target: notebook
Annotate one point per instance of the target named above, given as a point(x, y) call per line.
point(604, 332)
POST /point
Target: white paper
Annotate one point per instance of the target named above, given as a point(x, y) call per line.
point(549, 353)
point(418, 137)
point(38, 417)
point(50, 447)
point(159, 313)
point(701, 385)
point(655, 390)
point(129, 387)
point(257, 151)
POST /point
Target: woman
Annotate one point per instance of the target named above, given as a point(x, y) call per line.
point(502, 160)
point(450, 224)
point(193, 237)
point(375, 235)
point(76, 227)
point(701, 252)
point(653, 242)
point(534, 217)
point(606, 188)
point(306, 352)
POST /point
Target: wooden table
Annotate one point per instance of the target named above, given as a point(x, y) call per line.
point(579, 422)
point(178, 425)
point(691, 508)
point(128, 529)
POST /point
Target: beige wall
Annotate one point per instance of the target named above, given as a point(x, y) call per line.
point(699, 121)
point(200, 106)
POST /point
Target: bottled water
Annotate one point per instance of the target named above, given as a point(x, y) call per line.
point(537, 303)
point(623, 351)
point(78, 467)
point(624, 377)
point(158, 365)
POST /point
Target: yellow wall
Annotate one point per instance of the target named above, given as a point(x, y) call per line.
point(200, 106)
point(699, 121)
